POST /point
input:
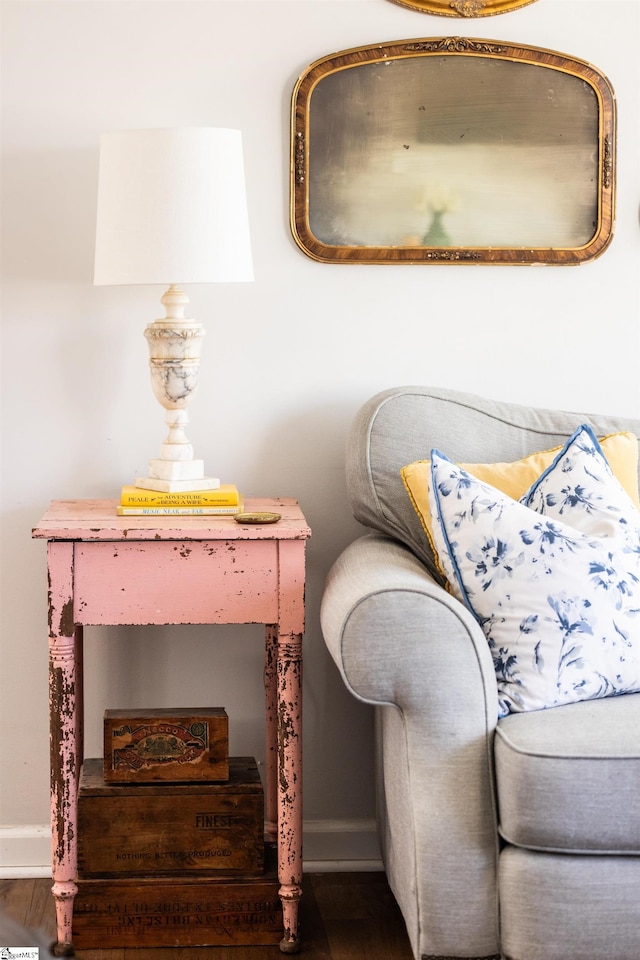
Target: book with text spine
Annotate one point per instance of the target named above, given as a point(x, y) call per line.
point(226, 495)
point(222, 511)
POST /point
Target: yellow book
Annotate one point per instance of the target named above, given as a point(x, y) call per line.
point(178, 511)
point(226, 495)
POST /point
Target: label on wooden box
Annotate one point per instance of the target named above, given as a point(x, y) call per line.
point(171, 913)
point(171, 829)
point(144, 746)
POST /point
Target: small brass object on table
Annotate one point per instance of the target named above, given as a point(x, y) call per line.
point(257, 517)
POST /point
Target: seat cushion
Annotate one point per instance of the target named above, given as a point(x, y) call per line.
point(554, 907)
point(568, 779)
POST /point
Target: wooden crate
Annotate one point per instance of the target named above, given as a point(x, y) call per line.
point(145, 746)
point(168, 912)
point(153, 830)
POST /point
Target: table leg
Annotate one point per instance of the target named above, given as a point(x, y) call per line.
point(64, 729)
point(271, 712)
point(290, 785)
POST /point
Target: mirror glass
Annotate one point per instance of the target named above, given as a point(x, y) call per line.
point(441, 154)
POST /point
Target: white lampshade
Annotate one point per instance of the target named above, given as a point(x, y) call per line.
point(172, 207)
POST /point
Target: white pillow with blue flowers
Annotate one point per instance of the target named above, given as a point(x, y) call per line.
point(553, 579)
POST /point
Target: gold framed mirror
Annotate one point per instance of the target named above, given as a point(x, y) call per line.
point(452, 150)
point(464, 8)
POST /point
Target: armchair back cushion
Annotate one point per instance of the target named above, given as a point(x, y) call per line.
point(403, 424)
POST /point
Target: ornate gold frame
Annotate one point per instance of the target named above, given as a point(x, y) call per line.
point(464, 8)
point(372, 112)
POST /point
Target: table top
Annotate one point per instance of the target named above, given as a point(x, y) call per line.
point(97, 520)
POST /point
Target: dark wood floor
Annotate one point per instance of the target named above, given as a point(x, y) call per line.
point(343, 916)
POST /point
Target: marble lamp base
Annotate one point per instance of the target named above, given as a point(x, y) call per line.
point(174, 360)
point(178, 476)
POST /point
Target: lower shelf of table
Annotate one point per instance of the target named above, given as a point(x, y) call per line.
point(177, 911)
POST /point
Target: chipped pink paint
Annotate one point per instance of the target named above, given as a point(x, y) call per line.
point(105, 569)
point(247, 571)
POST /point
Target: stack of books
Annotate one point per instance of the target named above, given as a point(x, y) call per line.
point(135, 501)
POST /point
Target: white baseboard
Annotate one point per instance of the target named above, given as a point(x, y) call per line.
point(25, 852)
point(329, 845)
point(340, 846)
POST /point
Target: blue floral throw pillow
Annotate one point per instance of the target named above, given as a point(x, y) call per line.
point(553, 579)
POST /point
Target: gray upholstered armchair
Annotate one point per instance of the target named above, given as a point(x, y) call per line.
point(517, 838)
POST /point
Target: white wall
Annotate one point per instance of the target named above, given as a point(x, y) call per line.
point(288, 359)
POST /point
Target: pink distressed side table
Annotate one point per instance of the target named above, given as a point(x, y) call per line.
point(105, 569)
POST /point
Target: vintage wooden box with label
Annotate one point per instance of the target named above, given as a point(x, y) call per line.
point(146, 746)
point(153, 830)
point(186, 912)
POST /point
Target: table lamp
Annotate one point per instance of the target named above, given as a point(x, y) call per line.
point(172, 210)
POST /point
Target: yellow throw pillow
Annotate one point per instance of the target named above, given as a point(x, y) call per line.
point(620, 450)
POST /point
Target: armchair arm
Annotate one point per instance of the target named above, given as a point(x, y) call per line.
point(402, 643)
point(381, 611)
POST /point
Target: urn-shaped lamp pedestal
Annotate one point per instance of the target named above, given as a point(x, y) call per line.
point(175, 344)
